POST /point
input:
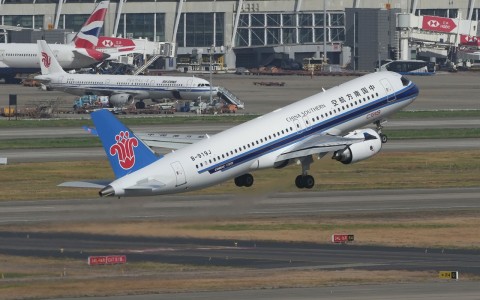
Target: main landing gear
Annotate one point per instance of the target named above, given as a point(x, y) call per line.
point(379, 125)
point(244, 180)
point(305, 180)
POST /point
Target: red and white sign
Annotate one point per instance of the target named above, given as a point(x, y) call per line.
point(342, 238)
point(468, 40)
point(439, 24)
point(107, 260)
point(121, 44)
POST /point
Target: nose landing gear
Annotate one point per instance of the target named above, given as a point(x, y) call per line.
point(379, 128)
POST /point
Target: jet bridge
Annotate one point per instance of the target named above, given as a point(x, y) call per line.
point(432, 35)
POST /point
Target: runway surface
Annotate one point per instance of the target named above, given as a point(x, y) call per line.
point(251, 254)
point(188, 207)
point(465, 290)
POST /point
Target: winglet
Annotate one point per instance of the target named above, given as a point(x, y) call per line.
point(126, 152)
point(48, 62)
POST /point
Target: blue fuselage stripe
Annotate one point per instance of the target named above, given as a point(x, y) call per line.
point(403, 95)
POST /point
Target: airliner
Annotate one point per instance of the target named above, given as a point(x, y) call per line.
point(20, 58)
point(331, 121)
point(121, 89)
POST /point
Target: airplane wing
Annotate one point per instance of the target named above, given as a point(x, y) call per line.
point(321, 143)
point(172, 141)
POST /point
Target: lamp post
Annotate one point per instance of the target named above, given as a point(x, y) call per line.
point(211, 51)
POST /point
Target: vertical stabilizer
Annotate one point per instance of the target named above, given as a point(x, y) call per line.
point(126, 152)
point(48, 62)
point(88, 35)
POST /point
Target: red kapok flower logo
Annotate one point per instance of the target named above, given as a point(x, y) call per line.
point(46, 60)
point(124, 149)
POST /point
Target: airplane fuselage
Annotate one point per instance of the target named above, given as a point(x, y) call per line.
point(22, 57)
point(260, 142)
point(140, 87)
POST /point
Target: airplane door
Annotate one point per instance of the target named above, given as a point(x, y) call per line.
point(2, 55)
point(388, 89)
point(179, 173)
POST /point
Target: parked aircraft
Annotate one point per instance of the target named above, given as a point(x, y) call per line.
point(324, 123)
point(121, 89)
point(18, 58)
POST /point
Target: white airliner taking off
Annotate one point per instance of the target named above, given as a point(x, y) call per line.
point(122, 89)
point(323, 123)
point(22, 57)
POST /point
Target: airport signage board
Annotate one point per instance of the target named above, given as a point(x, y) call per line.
point(107, 260)
point(448, 275)
point(432, 23)
point(468, 40)
point(342, 238)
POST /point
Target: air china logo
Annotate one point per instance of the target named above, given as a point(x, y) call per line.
point(433, 23)
point(124, 149)
point(46, 60)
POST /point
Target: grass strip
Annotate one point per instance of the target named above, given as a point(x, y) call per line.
point(42, 143)
point(434, 133)
point(387, 170)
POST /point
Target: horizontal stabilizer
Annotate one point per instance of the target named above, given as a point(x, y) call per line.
point(90, 130)
point(93, 184)
point(170, 141)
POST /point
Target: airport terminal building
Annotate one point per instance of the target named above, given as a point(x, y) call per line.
point(243, 33)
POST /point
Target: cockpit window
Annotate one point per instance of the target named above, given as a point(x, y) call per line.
point(405, 81)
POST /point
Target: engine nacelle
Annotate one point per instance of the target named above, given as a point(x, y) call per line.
point(362, 150)
point(118, 100)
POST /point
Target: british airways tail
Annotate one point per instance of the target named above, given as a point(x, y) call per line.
point(125, 151)
point(48, 62)
point(88, 35)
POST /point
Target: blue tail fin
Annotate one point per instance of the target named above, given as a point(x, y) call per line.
point(126, 152)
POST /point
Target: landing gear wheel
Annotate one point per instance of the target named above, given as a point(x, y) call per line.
point(244, 180)
point(299, 182)
point(308, 181)
point(304, 181)
point(383, 138)
point(238, 181)
point(247, 180)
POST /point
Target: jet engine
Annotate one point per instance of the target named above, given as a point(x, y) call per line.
point(361, 150)
point(118, 100)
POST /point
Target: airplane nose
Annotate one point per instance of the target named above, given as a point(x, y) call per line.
point(415, 90)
